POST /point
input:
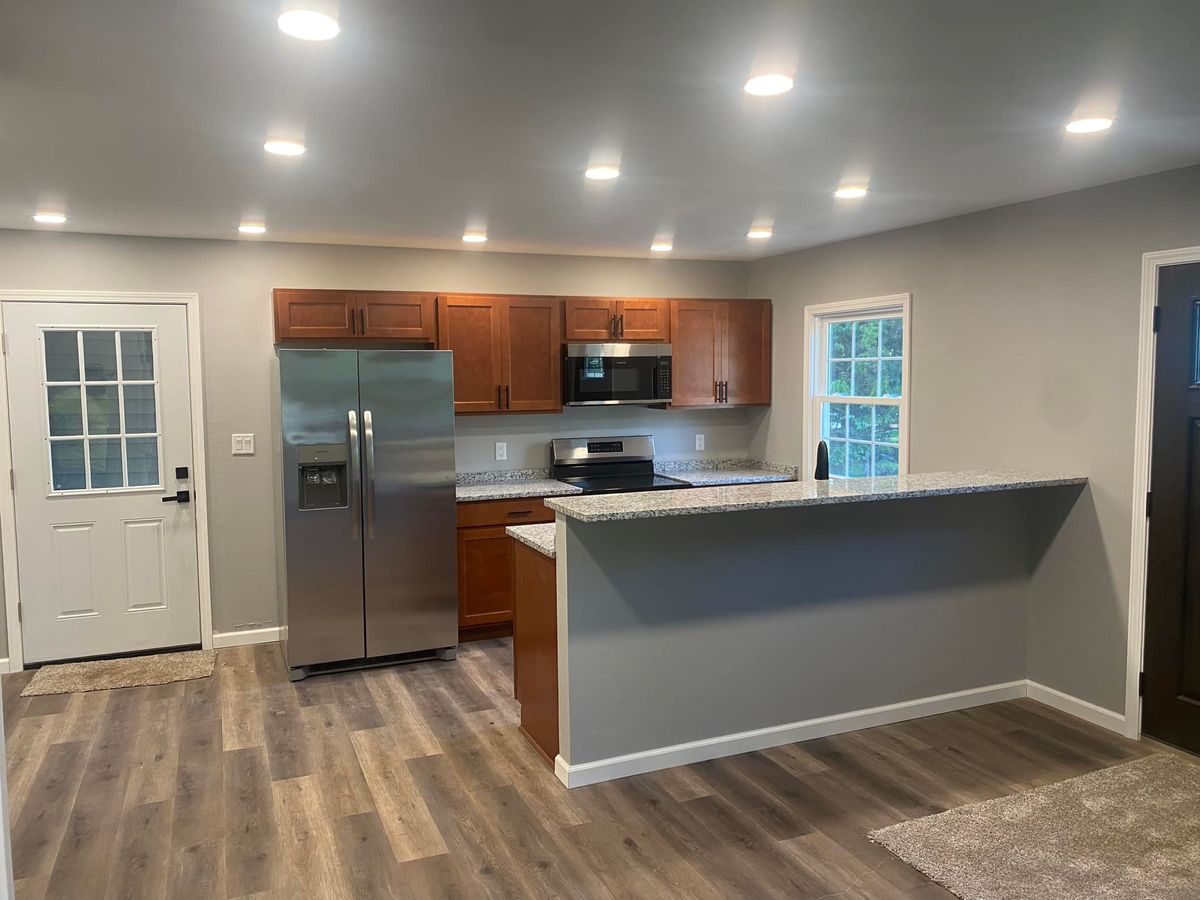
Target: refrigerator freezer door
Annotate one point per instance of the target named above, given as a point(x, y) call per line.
point(321, 471)
point(410, 564)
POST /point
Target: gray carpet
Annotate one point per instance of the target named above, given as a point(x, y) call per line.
point(1131, 832)
point(132, 671)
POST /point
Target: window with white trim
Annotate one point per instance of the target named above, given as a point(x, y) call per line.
point(858, 377)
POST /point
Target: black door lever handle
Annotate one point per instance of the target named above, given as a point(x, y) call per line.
point(181, 497)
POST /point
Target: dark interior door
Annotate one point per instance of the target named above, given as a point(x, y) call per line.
point(1171, 708)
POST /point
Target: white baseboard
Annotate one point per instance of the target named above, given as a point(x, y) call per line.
point(759, 739)
point(247, 636)
point(4, 666)
point(1080, 709)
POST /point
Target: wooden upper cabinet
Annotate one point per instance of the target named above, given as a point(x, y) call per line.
point(721, 352)
point(347, 315)
point(643, 319)
point(314, 315)
point(471, 328)
point(590, 319)
point(397, 315)
point(747, 352)
point(602, 319)
point(697, 329)
point(507, 352)
point(532, 354)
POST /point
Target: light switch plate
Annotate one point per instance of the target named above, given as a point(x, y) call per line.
point(243, 445)
point(501, 451)
point(699, 442)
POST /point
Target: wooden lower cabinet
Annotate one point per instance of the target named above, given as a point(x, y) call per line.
point(535, 647)
point(485, 563)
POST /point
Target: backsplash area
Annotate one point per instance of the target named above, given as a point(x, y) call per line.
point(727, 433)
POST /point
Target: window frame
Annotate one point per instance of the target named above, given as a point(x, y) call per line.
point(816, 320)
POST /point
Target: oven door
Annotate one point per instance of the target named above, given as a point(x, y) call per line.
point(604, 374)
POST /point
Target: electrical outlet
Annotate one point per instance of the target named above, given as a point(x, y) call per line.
point(243, 445)
point(699, 442)
point(501, 451)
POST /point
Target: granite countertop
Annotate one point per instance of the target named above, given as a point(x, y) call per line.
point(510, 484)
point(539, 537)
point(513, 484)
point(513, 490)
point(714, 477)
point(655, 504)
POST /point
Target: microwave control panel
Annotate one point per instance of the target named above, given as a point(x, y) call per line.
point(662, 389)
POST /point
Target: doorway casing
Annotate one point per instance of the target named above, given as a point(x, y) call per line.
point(1142, 432)
point(8, 512)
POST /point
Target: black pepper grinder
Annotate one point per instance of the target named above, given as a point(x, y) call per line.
point(822, 473)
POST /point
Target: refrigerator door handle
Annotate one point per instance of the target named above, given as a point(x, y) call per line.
point(355, 477)
point(369, 446)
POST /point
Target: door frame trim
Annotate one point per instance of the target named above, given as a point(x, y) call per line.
point(8, 509)
point(1142, 439)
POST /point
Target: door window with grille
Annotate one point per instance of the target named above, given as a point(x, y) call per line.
point(102, 409)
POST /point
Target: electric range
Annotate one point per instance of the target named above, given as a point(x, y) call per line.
point(609, 465)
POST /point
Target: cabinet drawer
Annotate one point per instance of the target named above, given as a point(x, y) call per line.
point(503, 512)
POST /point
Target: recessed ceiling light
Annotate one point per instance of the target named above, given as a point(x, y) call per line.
point(759, 233)
point(1089, 126)
point(284, 148)
point(662, 246)
point(769, 85)
point(43, 217)
point(252, 228)
point(475, 237)
point(850, 192)
point(308, 25)
point(602, 173)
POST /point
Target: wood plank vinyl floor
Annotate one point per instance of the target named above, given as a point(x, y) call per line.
point(413, 782)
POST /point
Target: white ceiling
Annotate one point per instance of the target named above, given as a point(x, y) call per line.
point(426, 117)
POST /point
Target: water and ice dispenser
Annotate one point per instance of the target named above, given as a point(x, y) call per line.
point(324, 476)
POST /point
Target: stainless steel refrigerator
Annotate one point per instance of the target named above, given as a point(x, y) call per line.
point(366, 531)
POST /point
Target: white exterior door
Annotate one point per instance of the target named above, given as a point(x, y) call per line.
point(100, 417)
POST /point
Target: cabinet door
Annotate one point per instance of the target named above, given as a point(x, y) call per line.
point(314, 315)
point(643, 319)
point(747, 352)
point(397, 315)
point(696, 339)
point(485, 587)
point(470, 328)
point(589, 319)
point(532, 357)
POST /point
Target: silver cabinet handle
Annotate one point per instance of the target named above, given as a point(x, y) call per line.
point(369, 440)
point(355, 477)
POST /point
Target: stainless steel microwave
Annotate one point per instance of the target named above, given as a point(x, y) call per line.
point(608, 374)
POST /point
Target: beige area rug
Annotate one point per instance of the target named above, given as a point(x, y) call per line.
point(130, 671)
point(1130, 832)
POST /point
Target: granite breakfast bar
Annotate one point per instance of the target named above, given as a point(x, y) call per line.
point(673, 648)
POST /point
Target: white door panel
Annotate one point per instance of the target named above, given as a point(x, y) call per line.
point(99, 408)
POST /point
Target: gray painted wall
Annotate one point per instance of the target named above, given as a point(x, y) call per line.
point(759, 619)
point(234, 280)
point(1024, 353)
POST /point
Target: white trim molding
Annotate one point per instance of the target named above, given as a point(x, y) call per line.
point(814, 357)
point(1140, 529)
point(245, 637)
point(8, 512)
point(1080, 709)
point(600, 770)
point(4, 667)
point(761, 738)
